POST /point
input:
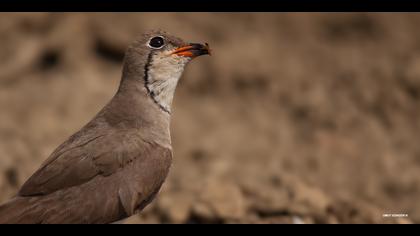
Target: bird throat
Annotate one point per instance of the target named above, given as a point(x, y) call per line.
point(161, 78)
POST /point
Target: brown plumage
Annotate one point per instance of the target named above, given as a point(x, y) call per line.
point(115, 165)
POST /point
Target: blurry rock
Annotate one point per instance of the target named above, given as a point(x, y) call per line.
point(11, 176)
point(268, 200)
point(21, 60)
point(175, 207)
point(403, 221)
point(297, 220)
point(113, 36)
point(220, 199)
point(308, 199)
point(412, 71)
point(358, 213)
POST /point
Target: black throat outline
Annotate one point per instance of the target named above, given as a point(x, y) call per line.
point(147, 82)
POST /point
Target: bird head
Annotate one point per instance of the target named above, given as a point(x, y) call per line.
point(160, 58)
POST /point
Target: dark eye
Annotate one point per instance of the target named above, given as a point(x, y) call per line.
point(156, 42)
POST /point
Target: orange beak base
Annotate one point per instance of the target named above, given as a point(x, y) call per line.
point(193, 50)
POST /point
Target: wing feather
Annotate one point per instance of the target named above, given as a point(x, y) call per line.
point(81, 158)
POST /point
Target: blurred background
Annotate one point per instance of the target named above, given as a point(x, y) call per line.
point(296, 117)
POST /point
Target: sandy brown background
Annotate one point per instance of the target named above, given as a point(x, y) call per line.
point(308, 118)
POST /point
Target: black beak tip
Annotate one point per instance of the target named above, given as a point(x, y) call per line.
point(201, 49)
point(208, 49)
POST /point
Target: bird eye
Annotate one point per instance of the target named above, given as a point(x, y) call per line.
point(156, 42)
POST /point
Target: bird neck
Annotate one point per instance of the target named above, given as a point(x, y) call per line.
point(132, 108)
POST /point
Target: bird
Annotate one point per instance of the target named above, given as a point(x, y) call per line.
point(115, 165)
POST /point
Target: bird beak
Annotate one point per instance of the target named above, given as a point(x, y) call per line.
point(193, 50)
